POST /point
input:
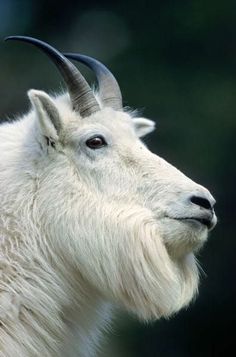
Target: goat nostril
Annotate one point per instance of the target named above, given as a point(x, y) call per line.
point(201, 201)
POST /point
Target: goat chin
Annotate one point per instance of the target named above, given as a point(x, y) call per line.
point(182, 237)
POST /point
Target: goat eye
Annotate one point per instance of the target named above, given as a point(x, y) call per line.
point(96, 142)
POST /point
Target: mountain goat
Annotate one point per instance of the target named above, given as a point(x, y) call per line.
point(90, 219)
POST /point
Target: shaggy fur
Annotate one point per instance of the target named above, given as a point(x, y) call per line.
point(83, 230)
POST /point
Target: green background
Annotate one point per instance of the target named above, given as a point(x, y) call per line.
point(176, 62)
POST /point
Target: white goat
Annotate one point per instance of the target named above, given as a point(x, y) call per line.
point(89, 219)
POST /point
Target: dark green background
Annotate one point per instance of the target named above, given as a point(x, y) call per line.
point(176, 61)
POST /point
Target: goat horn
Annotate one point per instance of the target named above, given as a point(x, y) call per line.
point(108, 87)
point(82, 97)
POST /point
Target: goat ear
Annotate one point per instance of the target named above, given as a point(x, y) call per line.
point(48, 115)
point(143, 126)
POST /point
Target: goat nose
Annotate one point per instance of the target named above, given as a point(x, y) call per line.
point(204, 202)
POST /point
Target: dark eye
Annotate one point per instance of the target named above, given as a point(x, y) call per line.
point(96, 142)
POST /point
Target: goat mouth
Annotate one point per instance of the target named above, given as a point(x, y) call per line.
point(207, 222)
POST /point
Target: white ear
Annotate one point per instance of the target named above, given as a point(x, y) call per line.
point(48, 115)
point(143, 126)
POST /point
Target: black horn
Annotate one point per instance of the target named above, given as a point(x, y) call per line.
point(109, 89)
point(82, 97)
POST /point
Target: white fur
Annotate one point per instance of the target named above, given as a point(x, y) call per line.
point(83, 230)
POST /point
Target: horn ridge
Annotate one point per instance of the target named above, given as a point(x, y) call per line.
point(108, 86)
point(82, 97)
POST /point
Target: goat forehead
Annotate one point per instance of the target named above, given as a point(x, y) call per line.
point(111, 119)
point(107, 122)
point(108, 117)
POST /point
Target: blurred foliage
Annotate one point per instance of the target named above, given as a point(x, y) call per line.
point(176, 61)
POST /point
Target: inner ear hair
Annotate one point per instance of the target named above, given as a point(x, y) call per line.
point(52, 112)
